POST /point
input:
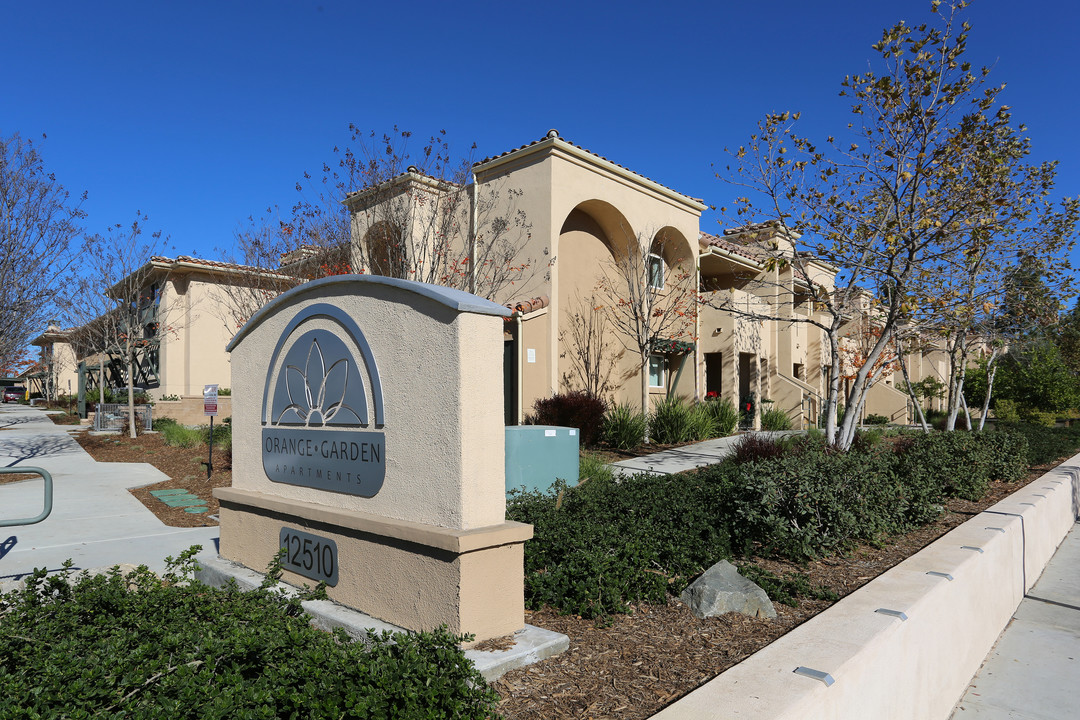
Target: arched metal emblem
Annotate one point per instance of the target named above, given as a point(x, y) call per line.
point(318, 428)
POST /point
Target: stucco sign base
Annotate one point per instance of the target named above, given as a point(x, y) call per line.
point(408, 574)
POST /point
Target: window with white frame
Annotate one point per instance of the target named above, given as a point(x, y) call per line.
point(657, 366)
point(656, 272)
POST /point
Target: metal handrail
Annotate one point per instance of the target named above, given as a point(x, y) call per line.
point(48, 494)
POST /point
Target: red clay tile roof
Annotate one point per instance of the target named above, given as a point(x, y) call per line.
point(747, 251)
point(527, 306)
point(210, 263)
point(390, 181)
point(555, 133)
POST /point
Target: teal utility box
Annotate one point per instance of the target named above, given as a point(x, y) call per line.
point(538, 455)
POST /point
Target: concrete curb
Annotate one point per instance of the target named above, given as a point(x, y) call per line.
point(531, 644)
point(944, 608)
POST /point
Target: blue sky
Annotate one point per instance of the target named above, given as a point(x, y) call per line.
point(200, 114)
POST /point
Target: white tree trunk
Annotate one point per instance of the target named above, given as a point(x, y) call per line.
point(645, 393)
point(991, 370)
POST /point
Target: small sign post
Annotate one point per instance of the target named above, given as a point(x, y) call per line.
point(209, 395)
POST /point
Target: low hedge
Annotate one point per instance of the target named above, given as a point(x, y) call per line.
point(1046, 444)
point(149, 647)
point(606, 544)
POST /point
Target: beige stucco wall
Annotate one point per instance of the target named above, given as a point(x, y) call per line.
point(400, 572)
point(188, 410)
point(65, 369)
point(441, 376)
point(193, 336)
point(604, 205)
point(535, 374)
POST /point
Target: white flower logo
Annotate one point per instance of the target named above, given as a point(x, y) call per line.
point(314, 395)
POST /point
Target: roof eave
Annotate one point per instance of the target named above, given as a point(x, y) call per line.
point(550, 144)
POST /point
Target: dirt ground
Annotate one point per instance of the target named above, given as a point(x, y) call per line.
point(626, 666)
point(631, 666)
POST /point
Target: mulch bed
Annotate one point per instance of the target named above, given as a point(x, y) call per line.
point(184, 466)
point(631, 666)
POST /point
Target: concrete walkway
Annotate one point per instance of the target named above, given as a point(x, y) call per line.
point(687, 457)
point(94, 521)
point(1034, 670)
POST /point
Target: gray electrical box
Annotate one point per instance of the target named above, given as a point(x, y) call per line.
point(537, 455)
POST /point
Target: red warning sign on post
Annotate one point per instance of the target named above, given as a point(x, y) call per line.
point(209, 400)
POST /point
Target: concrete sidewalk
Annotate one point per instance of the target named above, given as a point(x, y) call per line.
point(95, 520)
point(1034, 668)
point(687, 457)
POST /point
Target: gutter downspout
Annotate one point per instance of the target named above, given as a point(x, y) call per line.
point(521, 365)
point(472, 236)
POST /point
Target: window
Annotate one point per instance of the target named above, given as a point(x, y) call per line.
point(656, 272)
point(657, 364)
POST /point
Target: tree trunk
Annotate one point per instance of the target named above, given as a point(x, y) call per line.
point(645, 393)
point(833, 394)
point(911, 393)
point(957, 368)
point(101, 382)
point(132, 429)
point(991, 370)
point(856, 398)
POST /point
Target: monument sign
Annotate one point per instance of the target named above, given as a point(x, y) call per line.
point(368, 442)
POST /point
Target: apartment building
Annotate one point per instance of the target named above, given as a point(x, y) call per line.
point(569, 215)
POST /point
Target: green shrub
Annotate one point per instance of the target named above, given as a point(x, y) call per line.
point(93, 396)
point(775, 419)
point(875, 420)
point(809, 502)
point(222, 435)
point(576, 409)
point(1042, 418)
point(224, 392)
point(956, 464)
point(725, 416)
point(937, 418)
point(670, 421)
point(787, 589)
point(148, 648)
point(702, 423)
point(592, 467)
point(753, 447)
point(179, 435)
point(1045, 444)
point(161, 422)
point(1008, 453)
point(624, 427)
point(610, 544)
point(1006, 410)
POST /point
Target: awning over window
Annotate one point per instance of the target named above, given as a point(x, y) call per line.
point(670, 346)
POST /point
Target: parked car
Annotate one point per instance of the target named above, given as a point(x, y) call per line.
point(15, 393)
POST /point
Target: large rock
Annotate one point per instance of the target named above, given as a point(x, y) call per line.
point(721, 589)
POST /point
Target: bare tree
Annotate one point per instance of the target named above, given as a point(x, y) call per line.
point(588, 345)
point(39, 224)
point(424, 216)
point(266, 262)
point(649, 291)
point(118, 302)
point(380, 208)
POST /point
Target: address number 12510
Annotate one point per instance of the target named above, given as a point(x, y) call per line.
point(309, 555)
